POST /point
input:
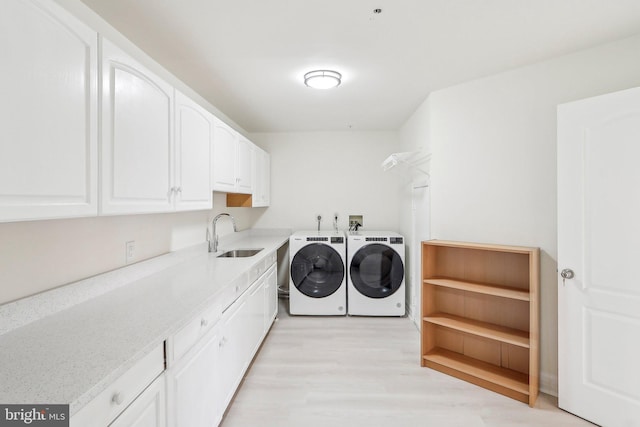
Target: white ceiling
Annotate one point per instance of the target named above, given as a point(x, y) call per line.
point(247, 57)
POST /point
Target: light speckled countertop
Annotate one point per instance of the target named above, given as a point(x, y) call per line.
point(70, 356)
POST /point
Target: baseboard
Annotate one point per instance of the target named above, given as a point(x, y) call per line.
point(549, 384)
point(412, 316)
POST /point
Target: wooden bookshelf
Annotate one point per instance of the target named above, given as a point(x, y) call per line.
point(480, 318)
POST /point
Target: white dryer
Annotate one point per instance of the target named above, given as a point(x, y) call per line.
point(317, 279)
point(375, 263)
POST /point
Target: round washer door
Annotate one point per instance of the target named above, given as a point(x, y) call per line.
point(376, 271)
point(317, 270)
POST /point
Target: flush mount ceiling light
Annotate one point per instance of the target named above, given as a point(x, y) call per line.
point(322, 79)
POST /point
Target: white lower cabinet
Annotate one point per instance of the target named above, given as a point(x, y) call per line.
point(206, 361)
point(270, 297)
point(255, 317)
point(148, 410)
point(232, 350)
point(193, 385)
point(202, 381)
point(139, 393)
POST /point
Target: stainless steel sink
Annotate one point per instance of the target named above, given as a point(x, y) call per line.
point(239, 253)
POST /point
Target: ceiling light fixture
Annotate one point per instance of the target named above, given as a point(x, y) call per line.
point(322, 79)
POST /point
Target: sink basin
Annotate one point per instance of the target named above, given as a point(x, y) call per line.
point(239, 253)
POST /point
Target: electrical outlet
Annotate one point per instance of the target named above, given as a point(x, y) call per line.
point(130, 248)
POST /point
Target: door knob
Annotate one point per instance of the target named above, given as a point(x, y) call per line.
point(567, 273)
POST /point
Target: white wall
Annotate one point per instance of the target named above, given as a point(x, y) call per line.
point(494, 159)
point(327, 172)
point(415, 221)
point(39, 255)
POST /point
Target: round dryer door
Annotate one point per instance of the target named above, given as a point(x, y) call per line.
point(376, 271)
point(317, 270)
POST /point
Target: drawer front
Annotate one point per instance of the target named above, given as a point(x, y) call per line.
point(149, 409)
point(184, 339)
point(260, 268)
point(233, 291)
point(271, 259)
point(117, 396)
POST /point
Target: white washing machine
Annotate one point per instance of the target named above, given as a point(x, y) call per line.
point(317, 279)
point(375, 263)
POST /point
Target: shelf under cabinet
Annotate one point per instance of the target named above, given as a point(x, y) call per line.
point(483, 329)
point(506, 381)
point(495, 290)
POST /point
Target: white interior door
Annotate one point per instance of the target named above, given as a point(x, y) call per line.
point(598, 234)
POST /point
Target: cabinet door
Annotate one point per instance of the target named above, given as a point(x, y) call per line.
point(193, 386)
point(244, 175)
point(137, 142)
point(194, 136)
point(233, 354)
point(148, 410)
point(255, 323)
point(48, 113)
point(225, 141)
point(270, 297)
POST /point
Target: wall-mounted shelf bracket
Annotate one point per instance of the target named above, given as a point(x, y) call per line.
point(409, 160)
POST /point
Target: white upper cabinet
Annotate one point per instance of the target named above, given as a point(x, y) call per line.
point(225, 142)
point(231, 160)
point(137, 137)
point(261, 177)
point(244, 170)
point(48, 132)
point(194, 138)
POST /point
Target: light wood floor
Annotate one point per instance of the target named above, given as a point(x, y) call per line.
point(355, 371)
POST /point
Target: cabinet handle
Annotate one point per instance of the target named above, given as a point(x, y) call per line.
point(179, 190)
point(117, 398)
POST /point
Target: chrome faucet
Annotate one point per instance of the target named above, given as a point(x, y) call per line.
point(214, 248)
